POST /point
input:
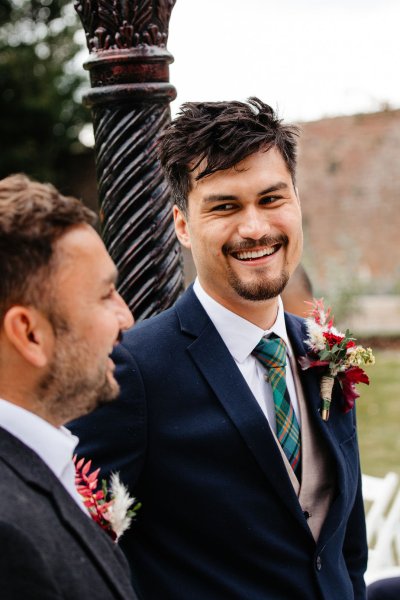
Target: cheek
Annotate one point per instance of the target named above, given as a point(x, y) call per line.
point(102, 330)
point(289, 221)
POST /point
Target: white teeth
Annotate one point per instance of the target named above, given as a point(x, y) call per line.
point(255, 253)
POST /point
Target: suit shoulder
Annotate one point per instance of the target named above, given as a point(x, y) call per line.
point(295, 319)
point(151, 331)
point(295, 325)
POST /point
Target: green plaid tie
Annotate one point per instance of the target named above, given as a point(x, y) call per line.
point(271, 353)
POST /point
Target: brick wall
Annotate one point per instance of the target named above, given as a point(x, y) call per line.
point(349, 183)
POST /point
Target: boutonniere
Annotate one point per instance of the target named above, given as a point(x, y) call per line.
point(338, 353)
point(113, 509)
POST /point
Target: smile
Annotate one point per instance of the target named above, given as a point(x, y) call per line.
point(254, 254)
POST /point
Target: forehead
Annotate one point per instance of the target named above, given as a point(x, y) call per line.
point(82, 260)
point(256, 172)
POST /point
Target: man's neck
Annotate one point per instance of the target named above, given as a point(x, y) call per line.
point(262, 313)
point(27, 401)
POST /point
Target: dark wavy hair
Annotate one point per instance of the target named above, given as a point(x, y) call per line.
point(33, 216)
point(221, 134)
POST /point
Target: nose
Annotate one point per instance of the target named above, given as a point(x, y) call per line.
point(253, 224)
point(124, 315)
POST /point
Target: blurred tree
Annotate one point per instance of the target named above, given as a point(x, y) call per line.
point(40, 109)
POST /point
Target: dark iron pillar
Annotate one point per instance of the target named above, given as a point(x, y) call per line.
point(129, 97)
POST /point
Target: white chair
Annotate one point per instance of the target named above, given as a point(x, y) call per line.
point(386, 552)
point(384, 573)
point(378, 493)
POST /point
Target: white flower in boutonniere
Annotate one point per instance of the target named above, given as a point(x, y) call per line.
point(120, 511)
point(113, 509)
point(338, 354)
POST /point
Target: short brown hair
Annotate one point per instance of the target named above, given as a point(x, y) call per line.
point(32, 217)
point(222, 134)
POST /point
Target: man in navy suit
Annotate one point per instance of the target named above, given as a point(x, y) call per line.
point(60, 316)
point(230, 511)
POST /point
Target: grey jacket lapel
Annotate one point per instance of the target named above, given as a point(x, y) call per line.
point(34, 472)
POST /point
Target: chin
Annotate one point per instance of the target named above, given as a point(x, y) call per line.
point(260, 290)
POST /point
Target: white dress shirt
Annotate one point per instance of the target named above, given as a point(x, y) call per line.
point(241, 337)
point(55, 446)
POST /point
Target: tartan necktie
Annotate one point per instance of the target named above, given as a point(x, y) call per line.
point(271, 353)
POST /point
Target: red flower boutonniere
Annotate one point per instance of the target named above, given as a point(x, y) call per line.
point(339, 353)
point(112, 509)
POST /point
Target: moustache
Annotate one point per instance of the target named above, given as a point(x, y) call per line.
point(266, 240)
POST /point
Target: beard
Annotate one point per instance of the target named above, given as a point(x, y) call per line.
point(72, 387)
point(256, 291)
point(264, 288)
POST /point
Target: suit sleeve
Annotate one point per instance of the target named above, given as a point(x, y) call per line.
point(114, 435)
point(23, 570)
point(355, 548)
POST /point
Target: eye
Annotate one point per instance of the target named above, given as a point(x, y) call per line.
point(109, 294)
point(269, 199)
point(223, 207)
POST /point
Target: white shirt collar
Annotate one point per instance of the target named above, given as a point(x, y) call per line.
point(239, 335)
point(55, 446)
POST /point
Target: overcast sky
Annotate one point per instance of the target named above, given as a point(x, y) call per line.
point(308, 58)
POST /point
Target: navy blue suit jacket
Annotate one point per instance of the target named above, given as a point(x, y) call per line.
point(220, 519)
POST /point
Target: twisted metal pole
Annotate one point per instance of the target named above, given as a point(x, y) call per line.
point(129, 98)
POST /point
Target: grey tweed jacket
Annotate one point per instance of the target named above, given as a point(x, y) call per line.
point(49, 549)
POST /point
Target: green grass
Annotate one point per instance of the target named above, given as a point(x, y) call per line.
point(378, 415)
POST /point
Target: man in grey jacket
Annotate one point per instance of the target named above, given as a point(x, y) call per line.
point(60, 317)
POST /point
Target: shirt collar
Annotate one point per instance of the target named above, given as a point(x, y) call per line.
point(239, 335)
point(55, 446)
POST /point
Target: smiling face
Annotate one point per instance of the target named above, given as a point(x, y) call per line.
point(85, 324)
point(244, 230)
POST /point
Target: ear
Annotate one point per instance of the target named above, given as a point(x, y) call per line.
point(181, 227)
point(29, 332)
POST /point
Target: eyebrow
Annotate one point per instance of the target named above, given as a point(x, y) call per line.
point(281, 185)
point(219, 198)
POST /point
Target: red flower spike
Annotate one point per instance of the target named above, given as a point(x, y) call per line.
point(86, 467)
point(93, 476)
point(84, 492)
point(80, 463)
point(94, 501)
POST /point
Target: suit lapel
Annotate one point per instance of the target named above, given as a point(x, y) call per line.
point(310, 380)
point(221, 372)
point(35, 473)
point(219, 369)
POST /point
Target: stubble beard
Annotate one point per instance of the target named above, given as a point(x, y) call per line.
point(257, 291)
point(71, 388)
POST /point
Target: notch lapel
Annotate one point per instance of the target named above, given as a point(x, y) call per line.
point(35, 472)
point(311, 379)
